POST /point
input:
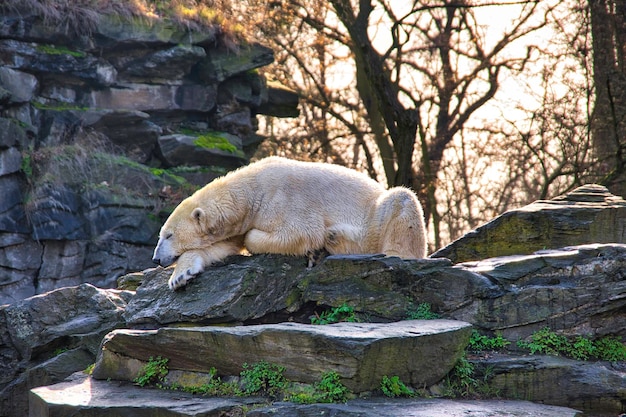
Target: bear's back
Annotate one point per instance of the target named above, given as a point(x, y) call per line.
point(321, 181)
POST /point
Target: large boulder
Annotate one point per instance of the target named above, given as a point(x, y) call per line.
point(44, 339)
point(588, 214)
point(244, 289)
point(576, 290)
point(599, 387)
point(417, 351)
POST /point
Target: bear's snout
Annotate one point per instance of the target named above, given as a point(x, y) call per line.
point(163, 254)
point(164, 262)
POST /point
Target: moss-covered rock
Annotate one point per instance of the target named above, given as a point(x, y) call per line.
point(588, 214)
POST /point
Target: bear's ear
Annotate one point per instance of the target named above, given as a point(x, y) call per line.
point(201, 219)
point(198, 215)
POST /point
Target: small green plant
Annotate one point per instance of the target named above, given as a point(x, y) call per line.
point(342, 313)
point(394, 387)
point(580, 349)
point(263, 377)
point(27, 165)
point(59, 351)
point(89, 370)
point(545, 341)
point(479, 342)
point(153, 372)
point(422, 312)
point(330, 389)
point(215, 387)
point(610, 349)
point(461, 381)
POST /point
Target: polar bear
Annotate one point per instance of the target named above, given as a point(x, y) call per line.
point(278, 205)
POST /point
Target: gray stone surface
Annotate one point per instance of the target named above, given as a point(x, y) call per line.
point(576, 290)
point(588, 214)
point(44, 339)
point(82, 396)
point(377, 407)
point(85, 397)
point(599, 387)
point(420, 352)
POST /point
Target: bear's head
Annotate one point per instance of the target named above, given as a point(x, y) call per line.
point(189, 227)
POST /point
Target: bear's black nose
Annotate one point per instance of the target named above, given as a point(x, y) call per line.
point(156, 261)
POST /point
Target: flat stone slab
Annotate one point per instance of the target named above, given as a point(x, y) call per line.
point(379, 407)
point(82, 396)
point(420, 352)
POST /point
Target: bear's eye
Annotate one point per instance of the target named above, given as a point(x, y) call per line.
point(168, 236)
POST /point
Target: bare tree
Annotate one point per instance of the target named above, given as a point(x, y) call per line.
point(429, 80)
point(419, 75)
point(536, 143)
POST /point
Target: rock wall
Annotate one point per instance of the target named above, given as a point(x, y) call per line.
point(102, 134)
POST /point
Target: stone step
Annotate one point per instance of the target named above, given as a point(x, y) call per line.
point(82, 396)
point(419, 352)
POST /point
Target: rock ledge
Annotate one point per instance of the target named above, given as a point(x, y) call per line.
point(82, 396)
point(420, 352)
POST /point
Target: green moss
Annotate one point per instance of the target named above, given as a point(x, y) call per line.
point(60, 50)
point(215, 141)
point(89, 370)
point(59, 107)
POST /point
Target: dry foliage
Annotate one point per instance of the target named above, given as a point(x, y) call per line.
point(82, 16)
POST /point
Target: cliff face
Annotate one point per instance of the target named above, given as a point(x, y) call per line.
point(102, 133)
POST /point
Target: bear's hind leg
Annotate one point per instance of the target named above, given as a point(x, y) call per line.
point(316, 256)
point(401, 220)
point(344, 238)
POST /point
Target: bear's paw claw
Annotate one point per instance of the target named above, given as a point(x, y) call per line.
point(177, 281)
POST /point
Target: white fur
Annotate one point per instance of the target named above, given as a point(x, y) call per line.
point(277, 205)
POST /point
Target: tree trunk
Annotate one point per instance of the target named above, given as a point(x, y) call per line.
point(608, 29)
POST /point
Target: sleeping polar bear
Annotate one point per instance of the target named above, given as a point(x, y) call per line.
point(277, 205)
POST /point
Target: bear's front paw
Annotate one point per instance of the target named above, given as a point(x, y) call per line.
point(178, 280)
